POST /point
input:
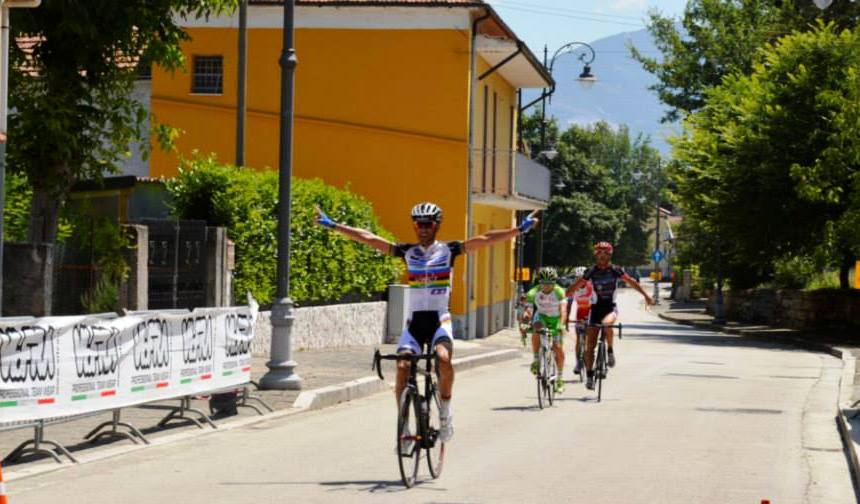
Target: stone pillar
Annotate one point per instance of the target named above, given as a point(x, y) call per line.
point(216, 265)
point(398, 296)
point(134, 292)
point(28, 277)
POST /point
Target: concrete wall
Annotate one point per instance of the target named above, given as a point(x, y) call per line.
point(328, 327)
point(795, 309)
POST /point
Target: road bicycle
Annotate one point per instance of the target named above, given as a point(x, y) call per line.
point(547, 368)
point(601, 369)
point(418, 418)
point(580, 328)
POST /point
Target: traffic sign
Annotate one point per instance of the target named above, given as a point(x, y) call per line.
point(657, 256)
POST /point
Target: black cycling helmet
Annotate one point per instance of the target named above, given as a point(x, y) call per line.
point(426, 212)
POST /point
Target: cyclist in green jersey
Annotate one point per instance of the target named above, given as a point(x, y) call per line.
point(548, 305)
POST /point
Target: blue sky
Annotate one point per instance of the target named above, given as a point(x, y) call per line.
point(556, 22)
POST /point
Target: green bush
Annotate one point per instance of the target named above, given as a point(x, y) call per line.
point(324, 266)
point(793, 272)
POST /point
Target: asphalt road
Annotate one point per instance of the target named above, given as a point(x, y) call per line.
point(688, 416)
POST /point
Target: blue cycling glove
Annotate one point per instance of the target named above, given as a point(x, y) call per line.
point(527, 224)
point(325, 220)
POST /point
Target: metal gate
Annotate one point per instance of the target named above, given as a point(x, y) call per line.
point(177, 263)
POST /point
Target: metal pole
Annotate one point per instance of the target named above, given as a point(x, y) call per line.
point(241, 93)
point(543, 109)
point(281, 365)
point(4, 107)
point(719, 316)
point(657, 271)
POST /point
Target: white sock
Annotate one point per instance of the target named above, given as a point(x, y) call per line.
point(444, 408)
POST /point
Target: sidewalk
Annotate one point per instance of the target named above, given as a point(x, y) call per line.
point(838, 344)
point(329, 376)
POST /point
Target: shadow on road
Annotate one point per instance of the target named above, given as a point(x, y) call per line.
point(533, 407)
point(372, 486)
point(696, 336)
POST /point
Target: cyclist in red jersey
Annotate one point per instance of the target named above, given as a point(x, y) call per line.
point(604, 277)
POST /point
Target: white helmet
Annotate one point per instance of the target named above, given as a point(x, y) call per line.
point(426, 212)
point(578, 272)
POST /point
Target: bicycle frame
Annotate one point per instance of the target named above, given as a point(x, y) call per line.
point(427, 441)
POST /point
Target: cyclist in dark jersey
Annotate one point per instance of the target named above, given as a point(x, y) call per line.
point(604, 278)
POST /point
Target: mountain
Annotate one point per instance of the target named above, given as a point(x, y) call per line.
point(620, 95)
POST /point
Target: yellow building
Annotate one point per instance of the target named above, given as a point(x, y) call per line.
point(397, 99)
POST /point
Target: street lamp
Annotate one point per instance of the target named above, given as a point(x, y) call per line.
point(586, 78)
point(281, 363)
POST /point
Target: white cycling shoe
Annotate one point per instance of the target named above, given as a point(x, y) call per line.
point(446, 429)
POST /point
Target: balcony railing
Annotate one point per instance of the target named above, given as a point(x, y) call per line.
point(509, 179)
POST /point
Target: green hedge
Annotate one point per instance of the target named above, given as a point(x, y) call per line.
point(325, 266)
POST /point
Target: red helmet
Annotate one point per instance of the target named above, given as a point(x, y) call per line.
point(603, 246)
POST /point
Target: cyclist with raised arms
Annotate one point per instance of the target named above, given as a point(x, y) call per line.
point(428, 263)
point(604, 278)
point(548, 306)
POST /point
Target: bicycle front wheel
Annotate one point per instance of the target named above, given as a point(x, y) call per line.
point(552, 376)
point(408, 446)
point(436, 448)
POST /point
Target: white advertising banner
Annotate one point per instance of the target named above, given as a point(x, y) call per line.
point(58, 366)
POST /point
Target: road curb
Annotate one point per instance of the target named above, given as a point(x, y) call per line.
point(846, 408)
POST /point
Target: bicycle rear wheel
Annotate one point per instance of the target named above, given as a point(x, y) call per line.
point(540, 379)
point(436, 448)
point(600, 369)
point(408, 446)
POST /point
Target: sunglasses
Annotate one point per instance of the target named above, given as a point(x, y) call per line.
point(425, 224)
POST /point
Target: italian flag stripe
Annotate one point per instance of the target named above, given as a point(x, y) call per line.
point(162, 384)
point(139, 388)
point(8, 404)
point(48, 400)
point(206, 376)
point(185, 380)
point(227, 373)
point(106, 393)
point(79, 397)
point(246, 369)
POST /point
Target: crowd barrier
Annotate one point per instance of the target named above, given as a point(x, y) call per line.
point(57, 369)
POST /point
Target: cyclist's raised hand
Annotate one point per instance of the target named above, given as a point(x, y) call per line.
point(323, 219)
point(529, 222)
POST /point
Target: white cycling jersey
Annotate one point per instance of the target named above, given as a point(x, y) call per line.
point(429, 271)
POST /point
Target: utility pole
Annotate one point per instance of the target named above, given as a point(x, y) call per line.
point(241, 93)
point(657, 271)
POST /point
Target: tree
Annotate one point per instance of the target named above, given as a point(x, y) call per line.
point(595, 196)
point(70, 88)
point(716, 38)
point(771, 160)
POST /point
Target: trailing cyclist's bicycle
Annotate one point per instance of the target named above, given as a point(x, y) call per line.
point(580, 328)
point(601, 369)
point(547, 372)
point(418, 419)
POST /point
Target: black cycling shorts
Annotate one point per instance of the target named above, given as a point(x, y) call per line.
point(599, 311)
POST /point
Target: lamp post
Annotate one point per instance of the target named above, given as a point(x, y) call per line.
point(637, 175)
point(657, 272)
point(719, 316)
point(281, 364)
